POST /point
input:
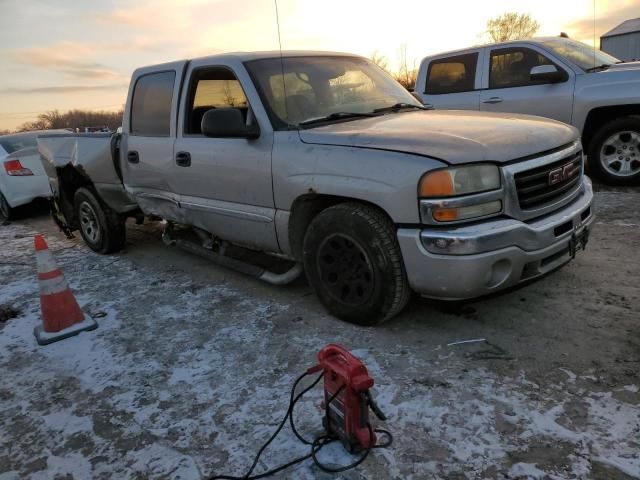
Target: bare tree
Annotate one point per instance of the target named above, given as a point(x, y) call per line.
point(406, 75)
point(380, 60)
point(229, 99)
point(74, 119)
point(511, 26)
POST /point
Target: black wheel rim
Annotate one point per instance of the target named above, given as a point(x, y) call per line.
point(345, 270)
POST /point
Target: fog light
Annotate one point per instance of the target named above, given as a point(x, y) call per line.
point(464, 213)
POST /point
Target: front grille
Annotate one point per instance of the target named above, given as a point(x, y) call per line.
point(533, 186)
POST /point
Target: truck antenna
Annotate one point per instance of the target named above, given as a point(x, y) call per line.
point(594, 33)
point(284, 87)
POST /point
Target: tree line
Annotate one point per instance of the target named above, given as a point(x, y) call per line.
point(73, 119)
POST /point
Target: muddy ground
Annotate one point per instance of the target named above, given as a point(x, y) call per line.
point(190, 369)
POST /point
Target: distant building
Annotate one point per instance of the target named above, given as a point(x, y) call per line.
point(623, 42)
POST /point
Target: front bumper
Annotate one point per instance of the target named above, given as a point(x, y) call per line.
point(475, 260)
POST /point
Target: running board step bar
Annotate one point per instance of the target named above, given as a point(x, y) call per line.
point(232, 263)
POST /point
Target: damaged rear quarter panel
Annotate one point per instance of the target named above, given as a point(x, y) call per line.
point(87, 157)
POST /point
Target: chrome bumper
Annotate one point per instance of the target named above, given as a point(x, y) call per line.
point(471, 261)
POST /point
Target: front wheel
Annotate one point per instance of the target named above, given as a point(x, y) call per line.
point(614, 153)
point(353, 262)
point(5, 210)
point(102, 229)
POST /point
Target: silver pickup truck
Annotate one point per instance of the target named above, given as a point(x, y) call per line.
point(552, 77)
point(324, 160)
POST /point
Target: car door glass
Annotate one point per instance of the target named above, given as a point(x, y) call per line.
point(151, 104)
point(452, 74)
point(212, 88)
point(511, 67)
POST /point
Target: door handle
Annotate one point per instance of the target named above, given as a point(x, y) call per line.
point(493, 100)
point(183, 159)
point(133, 157)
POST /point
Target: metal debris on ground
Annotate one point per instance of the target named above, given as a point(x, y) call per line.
point(461, 342)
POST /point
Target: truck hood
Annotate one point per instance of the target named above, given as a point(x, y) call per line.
point(452, 136)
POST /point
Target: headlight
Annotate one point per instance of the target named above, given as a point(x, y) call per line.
point(465, 213)
point(460, 193)
point(450, 182)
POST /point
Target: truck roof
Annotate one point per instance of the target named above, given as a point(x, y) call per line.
point(248, 56)
point(508, 42)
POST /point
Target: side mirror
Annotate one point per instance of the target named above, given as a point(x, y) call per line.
point(227, 123)
point(547, 74)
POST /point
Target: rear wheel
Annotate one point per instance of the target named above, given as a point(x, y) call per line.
point(102, 229)
point(353, 262)
point(5, 210)
point(614, 153)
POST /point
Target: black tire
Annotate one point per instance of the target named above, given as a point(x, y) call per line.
point(102, 229)
point(6, 212)
point(625, 133)
point(353, 262)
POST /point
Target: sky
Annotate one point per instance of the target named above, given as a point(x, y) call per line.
point(66, 54)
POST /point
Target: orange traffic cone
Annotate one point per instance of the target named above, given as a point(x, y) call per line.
point(61, 314)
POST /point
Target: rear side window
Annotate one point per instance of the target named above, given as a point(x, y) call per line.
point(12, 143)
point(151, 104)
point(452, 74)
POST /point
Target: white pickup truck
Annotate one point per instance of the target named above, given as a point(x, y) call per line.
point(552, 77)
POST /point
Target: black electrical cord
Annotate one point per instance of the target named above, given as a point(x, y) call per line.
point(292, 403)
point(316, 444)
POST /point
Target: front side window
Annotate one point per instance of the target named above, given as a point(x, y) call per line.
point(212, 88)
point(299, 89)
point(151, 104)
point(511, 67)
point(452, 74)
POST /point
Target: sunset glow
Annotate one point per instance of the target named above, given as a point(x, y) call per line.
point(67, 54)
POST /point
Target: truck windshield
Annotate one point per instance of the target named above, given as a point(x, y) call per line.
point(584, 56)
point(319, 89)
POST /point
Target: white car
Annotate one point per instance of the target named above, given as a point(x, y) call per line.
point(22, 176)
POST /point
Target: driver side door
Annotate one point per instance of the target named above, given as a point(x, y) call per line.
point(509, 89)
point(224, 184)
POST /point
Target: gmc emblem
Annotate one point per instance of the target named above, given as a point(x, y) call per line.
point(565, 172)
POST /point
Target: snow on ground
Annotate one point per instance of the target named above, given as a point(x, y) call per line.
point(183, 380)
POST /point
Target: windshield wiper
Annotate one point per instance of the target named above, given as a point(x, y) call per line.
point(604, 66)
point(399, 106)
point(336, 116)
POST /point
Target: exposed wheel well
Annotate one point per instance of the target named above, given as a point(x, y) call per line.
point(602, 115)
point(303, 211)
point(69, 181)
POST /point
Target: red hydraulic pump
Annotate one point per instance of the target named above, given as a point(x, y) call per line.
point(347, 398)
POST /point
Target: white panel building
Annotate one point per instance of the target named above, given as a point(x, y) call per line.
point(623, 42)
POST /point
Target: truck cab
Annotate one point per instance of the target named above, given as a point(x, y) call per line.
point(551, 77)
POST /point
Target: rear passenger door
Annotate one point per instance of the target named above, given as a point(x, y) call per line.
point(510, 89)
point(452, 82)
point(149, 130)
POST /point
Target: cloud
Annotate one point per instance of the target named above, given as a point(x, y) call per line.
point(63, 57)
point(63, 89)
point(607, 17)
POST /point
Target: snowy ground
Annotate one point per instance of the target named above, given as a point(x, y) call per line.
point(190, 369)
